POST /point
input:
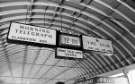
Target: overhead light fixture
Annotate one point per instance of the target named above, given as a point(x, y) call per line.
point(117, 75)
point(75, 1)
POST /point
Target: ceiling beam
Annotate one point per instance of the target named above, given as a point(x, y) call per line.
point(6, 56)
point(67, 69)
point(24, 63)
point(34, 61)
point(27, 78)
point(44, 63)
point(45, 73)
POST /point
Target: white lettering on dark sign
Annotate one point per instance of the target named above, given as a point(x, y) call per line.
point(70, 40)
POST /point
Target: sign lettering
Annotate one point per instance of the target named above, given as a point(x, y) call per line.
point(96, 44)
point(62, 52)
point(29, 33)
point(104, 80)
point(69, 40)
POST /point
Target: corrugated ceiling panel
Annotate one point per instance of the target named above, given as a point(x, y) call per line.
point(127, 12)
point(33, 71)
point(112, 3)
point(43, 56)
point(68, 74)
point(54, 71)
point(52, 60)
point(16, 69)
point(26, 71)
point(2, 57)
point(66, 62)
point(4, 69)
point(41, 71)
point(31, 55)
point(17, 58)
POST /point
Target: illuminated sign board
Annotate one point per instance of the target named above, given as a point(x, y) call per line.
point(69, 53)
point(68, 40)
point(103, 80)
point(27, 33)
point(96, 44)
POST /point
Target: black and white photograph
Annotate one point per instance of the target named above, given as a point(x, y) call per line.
point(67, 41)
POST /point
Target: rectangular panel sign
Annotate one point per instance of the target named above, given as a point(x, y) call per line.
point(96, 44)
point(27, 33)
point(107, 80)
point(69, 53)
point(68, 40)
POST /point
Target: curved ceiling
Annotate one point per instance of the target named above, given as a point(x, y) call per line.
point(107, 19)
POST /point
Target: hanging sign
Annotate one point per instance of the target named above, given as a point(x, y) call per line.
point(69, 53)
point(103, 80)
point(27, 33)
point(68, 40)
point(96, 44)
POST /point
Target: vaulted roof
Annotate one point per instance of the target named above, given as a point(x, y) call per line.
point(107, 19)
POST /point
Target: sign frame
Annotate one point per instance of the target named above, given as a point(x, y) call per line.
point(104, 52)
point(69, 46)
point(69, 58)
point(27, 42)
point(101, 79)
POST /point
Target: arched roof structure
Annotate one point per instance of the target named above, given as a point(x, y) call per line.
point(107, 19)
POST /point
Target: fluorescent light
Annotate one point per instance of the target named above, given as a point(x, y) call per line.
point(117, 75)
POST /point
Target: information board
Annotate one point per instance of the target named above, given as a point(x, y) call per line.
point(68, 40)
point(69, 53)
point(96, 44)
point(28, 33)
point(103, 80)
